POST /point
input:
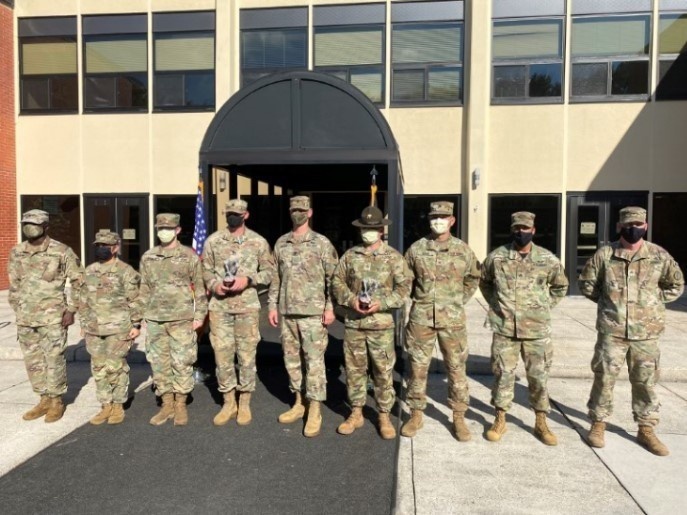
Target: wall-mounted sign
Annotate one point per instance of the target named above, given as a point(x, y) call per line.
point(129, 234)
point(588, 228)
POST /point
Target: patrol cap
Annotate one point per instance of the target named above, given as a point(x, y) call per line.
point(299, 202)
point(167, 220)
point(371, 218)
point(632, 214)
point(524, 218)
point(441, 208)
point(35, 216)
point(106, 237)
point(236, 205)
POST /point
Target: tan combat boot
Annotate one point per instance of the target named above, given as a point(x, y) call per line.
point(55, 410)
point(180, 412)
point(314, 423)
point(166, 411)
point(296, 411)
point(595, 437)
point(499, 428)
point(413, 425)
point(542, 431)
point(38, 410)
point(102, 415)
point(460, 429)
point(117, 414)
point(244, 416)
point(354, 421)
point(386, 429)
point(228, 411)
point(648, 439)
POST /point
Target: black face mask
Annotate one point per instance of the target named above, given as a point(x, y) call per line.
point(103, 253)
point(632, 234)
point(234, 221)
point(521, 238)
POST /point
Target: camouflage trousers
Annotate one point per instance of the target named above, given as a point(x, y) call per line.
point(379, 343)
point(43, 348)
point(109, 366)
point(537, 355)
point(643, 358)
point(172, 350)
point(305, 340)
point(453, 342)
point(235, 335)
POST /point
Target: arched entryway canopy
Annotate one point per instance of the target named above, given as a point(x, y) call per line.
point(283, 126)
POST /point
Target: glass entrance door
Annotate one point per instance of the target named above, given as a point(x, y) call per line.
point(127, 215)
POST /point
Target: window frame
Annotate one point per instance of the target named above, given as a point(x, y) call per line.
point(184, 73)
point(527, 62)
point(70, 38)
point(610, 60)
point(269, 71)
point(668, 57)
point(115, 75)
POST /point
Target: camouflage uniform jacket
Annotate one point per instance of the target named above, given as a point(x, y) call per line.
point(172, 285)
point(385, 265)
point(254, 261)
point(108, 298)
point(446, 276)
point(302, 284)
point(631, 290)
point(521, 291)
point(38, 279)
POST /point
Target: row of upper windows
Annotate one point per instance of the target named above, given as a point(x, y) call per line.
point(610, 56)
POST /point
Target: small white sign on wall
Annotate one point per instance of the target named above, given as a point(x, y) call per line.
point(129, 234)
point(588, 228)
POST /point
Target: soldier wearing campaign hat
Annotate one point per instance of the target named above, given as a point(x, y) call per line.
point(446, 275)
point(301, 293)
point(371, 280)
point(110, 321)
point(522, 282)
point(236, 260)
point(38, 271)
point(173, 303)
point(630, 280)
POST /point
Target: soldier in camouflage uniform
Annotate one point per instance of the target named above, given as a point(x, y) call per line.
point(301, 289)
point(235, 261)
point(631, 280)
point(446, 274)
point(38, 272)
point(174, 306)
point(110, 321)
point(522, 282)
point(379, 271)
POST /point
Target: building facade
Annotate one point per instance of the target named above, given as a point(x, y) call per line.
point(8, 179)
point(567, 108)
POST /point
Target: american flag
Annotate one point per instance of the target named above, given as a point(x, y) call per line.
point(200, 232)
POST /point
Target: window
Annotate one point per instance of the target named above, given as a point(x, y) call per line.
point(547, 221)
point(415, 216)
point(672, 50)
point(115, 63)
point(48, 65)
point(427, 53)
point(359, 29)
point(610, 57)
point(184, 61)
point(65, 217)
point(273, 40)
point(528, 60)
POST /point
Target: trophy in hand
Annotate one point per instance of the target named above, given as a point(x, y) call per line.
point(231, 267)
point(365, 296)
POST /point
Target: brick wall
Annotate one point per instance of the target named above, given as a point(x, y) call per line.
point(8, 170)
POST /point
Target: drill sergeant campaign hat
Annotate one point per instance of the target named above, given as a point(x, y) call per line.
point(167, 220)
point(632, 214)
point(524, 218)
point(35, 216)
point(106, 237)
point(236, 206)
point(371, 218)
point(441, 208)
point(300, 202)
